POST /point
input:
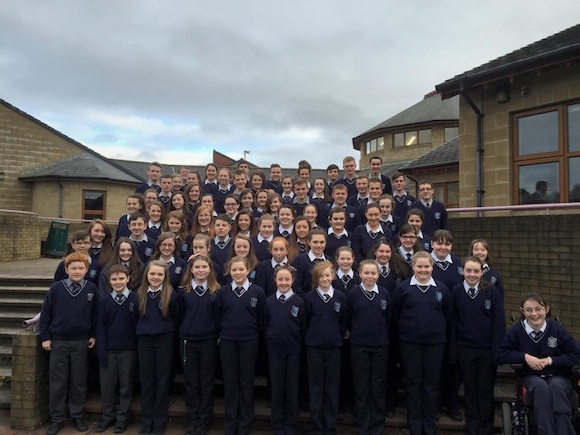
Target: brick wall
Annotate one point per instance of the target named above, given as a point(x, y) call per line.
point(532, 254)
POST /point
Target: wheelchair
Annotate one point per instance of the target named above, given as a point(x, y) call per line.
point(518, 416)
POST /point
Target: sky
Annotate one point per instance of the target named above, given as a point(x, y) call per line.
point(173, 81)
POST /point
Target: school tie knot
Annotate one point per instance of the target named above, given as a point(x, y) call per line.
point(326, 297)
point(224, 191)
point(239, 290)
point(265, 242)
point(384, 271)
point(75, 287)
point(373, 235)
point(428, 206)
point(287, 198)
point(157, 188)
point(318, 260)
point(285, 233)
point(282, 298)
point(362, 201)
point(536, 334)
point(199, 289)
point(119, 297)
point(153, 229)
point(370, 294)
point(471, 292)
point(345, 279)
point(221, 244)
point(409, 257)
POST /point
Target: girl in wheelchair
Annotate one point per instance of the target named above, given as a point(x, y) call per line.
point(547, 352)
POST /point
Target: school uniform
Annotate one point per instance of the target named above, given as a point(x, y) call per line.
point(219, 197)
point(345, 282)
point(364, 239)
point(198, 347)
point(181, 247)
point(480, 327)
point(220, 250)
point(407, 256)
point(368, 319)
point(435, 216)
point(402, 204)
point(492, 276)
point(392, 223)
point(358, 201)
point(155, 346)
point(350, 184)
point(92, 274)
point(276, 186)
point(145, 248)
point(141, 188)
point(209, 187)
point(287, 198)
point(117, 353)
point(385, 183)
point(549, 389)
point(304, 264)
point(449, 270)
point(176, 267)
point(285, 319)
point(165, 200)
point(262, 247)
point(326, 325)
point(153, 230)
point(387, 278)
point(123, 227)
point(423, 319)
point(335, 241)
point(265, 275)
point(283, 232)
point(424, 240)
point(68, 318)
point(239, 313)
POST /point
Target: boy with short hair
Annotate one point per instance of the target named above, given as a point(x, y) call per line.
point(301, 198)
point(166, 191)
point(153, 175)
point(68, 323)
point(435, 212)
point(361, 199)
point(349, 177)
point(240, 182)
point(287, 190)
point(81, 242)
point(221, 243)
point(403, 200)
point(375, 163)
point(145, 247)
point(135, 203)
point(177, 183)
point(116, 349)
point(275, 181)
point(339, 195)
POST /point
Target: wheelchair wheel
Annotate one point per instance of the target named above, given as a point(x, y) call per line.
point(506, 415)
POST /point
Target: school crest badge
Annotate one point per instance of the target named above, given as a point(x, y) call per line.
point(351, 215)
point(460, 270)
point(487, 304)
point(383, 304)
point(93, 273)
point(213, 296)
point(159, 303)
point(552, 342)
point(438, 296)
point(184, 247)
point(294, 311)
point(348, 243)
point(493, 280)
point(131, 307)
point(253, 302)
point(438, 216)
point(148, 252)
point(426, 246)
point(90, 296)
point(178, 270)
point(409, 202)
point(337, 307)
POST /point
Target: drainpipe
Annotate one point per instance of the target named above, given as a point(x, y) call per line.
point(60, 199)
point(416, 185)
point(478, 145)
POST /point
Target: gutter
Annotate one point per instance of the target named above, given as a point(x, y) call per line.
point(478, 147)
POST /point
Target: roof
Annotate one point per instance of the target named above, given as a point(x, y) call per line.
point(430, 109)
point(561, 47)
point(444, 155)
point(84, 166)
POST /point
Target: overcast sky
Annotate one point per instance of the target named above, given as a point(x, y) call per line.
point(171, 81)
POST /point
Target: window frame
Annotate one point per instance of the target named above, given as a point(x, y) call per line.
point(97, 214)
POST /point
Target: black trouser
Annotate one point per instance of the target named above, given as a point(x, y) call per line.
point(119, 371)
point(199, 361)
point(422, 366)
point(324, 387)
point(155, 362)
point(238, 365)
point(67, 378)
point(478, 373)
point(284, 381)
point(369, 369)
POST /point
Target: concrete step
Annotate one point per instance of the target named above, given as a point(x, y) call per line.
point(17, 281)
point(32, 292)
point(6, 334)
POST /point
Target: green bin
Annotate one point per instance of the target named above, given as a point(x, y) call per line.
point(56, 242)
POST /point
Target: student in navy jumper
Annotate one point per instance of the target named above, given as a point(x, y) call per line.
point(392, 271)
point(158, 322)
point(368, 319)
point(149, 196)
point(68, 329)
point(145, 246)
point(548, 353)
point(275, 181)
point(273, 205)
point(265, 269)
point(298, 240)
point(326, 326)
point(153, 176)
point(242, 247)
point(261, 242)
point(165, 250)
point(178, 203)
point(125, 253)
point(435, 211)
point(156, 213)
point(408, 243)
point(247, 200)
point(339, 196)
point(423, 319)
point(244, 223)
point(80, 242)
point(388, 219)
point(337, 234)
point(349, 177)
point(260, 200)
point(480, 327)
point(117, 349)
point(287, 194)
point(304, 263)
point(210, 184)
point(239, 312)
point(375, 164)
point(101, 241)
point(166, 191)
point(415, 218)
point(480, 248)
point(284, 322)
point(221, 244)
point(285, 221)
point(201, 244)
point(177, 224)
point(402, 200)
point(365, 236)
point(224, 189)
point(135, 203)
point(198, 341)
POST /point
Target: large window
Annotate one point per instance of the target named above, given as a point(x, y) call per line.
point(450, 133)
point(94, 203)
point(374, 145)
point(447, 193)
point(413, 137)
point(547, 155)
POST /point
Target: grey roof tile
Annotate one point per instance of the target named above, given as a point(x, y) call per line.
point(444, 155)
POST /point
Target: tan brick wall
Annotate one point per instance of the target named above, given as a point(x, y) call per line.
point(45, 198)
point(25, 145)
point(550, 86)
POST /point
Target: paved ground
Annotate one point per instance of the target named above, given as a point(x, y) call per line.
point(40, 268)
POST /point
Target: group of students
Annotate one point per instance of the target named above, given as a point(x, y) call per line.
point(349, 299)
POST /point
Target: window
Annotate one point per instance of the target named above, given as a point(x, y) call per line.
point(547, 155)
point(94, 204)
point(447, 193)
point(374, 145)
point(450, 133)
point(414, 137)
